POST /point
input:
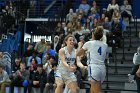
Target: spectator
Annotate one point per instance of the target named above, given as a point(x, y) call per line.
point(4, 79)
point(39, 79)
point(94, 6)
point(45, 58)
point(50, 85)
point(20, 78)
point(88, 24)
point(116, 30)
point(78, 31)
point(81, 17)
point(40, 47)
point(102, 20)
point(59, 30)
point(29, 51)
point(84, 6)
point(49, 50)
point(34, 56)
point(107, 24)
point(16, 64)
point(69, 16)
point(33, 65)
point(56, 45)
point(64, 27)
point(94, 15)
point(111, 7)
point(48, 66)
point(126, 10)
point(70, 27)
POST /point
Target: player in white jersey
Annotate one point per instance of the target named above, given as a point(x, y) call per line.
point(65, 70)
point(96, 50)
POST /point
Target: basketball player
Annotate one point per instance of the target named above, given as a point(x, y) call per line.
point(96, 54)
point(65, 70)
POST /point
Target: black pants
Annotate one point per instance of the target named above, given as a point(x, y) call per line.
point(18, 84)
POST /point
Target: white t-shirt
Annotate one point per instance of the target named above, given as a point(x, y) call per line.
point(96, 51)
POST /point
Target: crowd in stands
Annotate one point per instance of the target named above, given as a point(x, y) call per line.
point(36, 68)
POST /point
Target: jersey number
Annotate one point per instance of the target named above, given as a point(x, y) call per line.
point(100, 50)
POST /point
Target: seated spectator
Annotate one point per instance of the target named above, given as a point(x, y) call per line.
point(48, 66)
point(69, 16)
point(45, 58)
point(94, 15)
point(20, 78)
point(4, 79)
point(40, 47)
point(39, 79)
point(126, 10)
point(49, 50)
point(94, 6)
point(33, 65)
point(81, 17)
point(59, 29)
point(102, 19)
point(50, 85)
point(116, 14)
point(111, 7)
point(78, 31)
point(34, 56)
point(84, 6)
point(29, 51)
point(56, 45)
point(107, 24)
point(16, 64)
point(88, 24)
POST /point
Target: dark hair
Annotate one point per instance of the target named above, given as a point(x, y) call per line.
point(34, 59)
point(52, 57)
point(98, 33)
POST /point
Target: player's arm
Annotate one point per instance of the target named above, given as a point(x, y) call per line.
point(80, 53)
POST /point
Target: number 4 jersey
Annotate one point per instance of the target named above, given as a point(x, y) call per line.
point(96, 51)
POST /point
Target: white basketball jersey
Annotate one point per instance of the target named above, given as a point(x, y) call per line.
point(96, 51)
point(70, 59)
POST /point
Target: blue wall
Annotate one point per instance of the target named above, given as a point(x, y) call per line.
point(136, 8)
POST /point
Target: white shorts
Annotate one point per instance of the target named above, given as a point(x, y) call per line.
point(96, 72)
point(66, 78)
